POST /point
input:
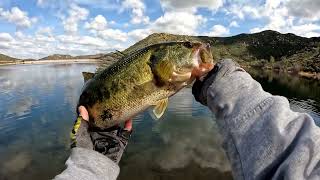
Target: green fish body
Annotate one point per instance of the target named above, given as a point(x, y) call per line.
point(142, 79)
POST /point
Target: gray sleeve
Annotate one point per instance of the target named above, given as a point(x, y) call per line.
point(88, 164)
point(263, 137)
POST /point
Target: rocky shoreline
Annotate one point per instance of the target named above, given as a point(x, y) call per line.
point(309, 75)
point(302, 74)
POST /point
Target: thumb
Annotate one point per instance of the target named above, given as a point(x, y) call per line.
point(83, 113)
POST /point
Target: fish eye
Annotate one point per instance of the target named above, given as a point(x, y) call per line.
point(187, 44)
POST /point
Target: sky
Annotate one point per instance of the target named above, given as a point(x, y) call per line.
point(38, 28)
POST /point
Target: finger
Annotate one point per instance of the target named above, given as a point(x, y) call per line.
point(128, 125)
point(83, 113)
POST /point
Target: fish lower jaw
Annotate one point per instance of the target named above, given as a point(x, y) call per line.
point(203, 69)
point(180, 77)
point(199, 66)
point(196, 59)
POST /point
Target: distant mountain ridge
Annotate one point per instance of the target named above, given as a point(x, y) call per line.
point(266, 49)
point(6, 58)
point(269, 49)
point(64, 56)
point(57, 56)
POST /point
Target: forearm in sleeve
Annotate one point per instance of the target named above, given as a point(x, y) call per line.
point(89, 165)
point(263, 137)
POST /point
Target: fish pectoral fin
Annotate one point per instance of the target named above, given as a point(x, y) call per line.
point(87, 76)
point(160, 107)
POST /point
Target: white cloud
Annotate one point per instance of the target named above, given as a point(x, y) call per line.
point(243, 11)
point(285, 16)
point(71, 44)
point(4, 46)
point(253, 12)
point(43, 38)
point(76, 14)
point(256, 29)
point(138, 10)
point(179, 17)
point(219, 30)
point(306, 28)
point(44, 34)
point(234, 24)
point(5, 40)
point(98, 23)
point(178, 23)
point(82, 40)
point(235, 10)
point(19, 35)
point(5, 37)
point(26, 46)
point(40, 2)
point(192, 5)
point(43, 43)
point(139, 34)
point(312, 34)
point(308, 9)
point(114, 34)
point(126, 25)
point(18, 17)
point(98, 26)
point(44, 30)
point(170, 22)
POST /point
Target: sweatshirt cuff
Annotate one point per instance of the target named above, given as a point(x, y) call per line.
point(88, 164)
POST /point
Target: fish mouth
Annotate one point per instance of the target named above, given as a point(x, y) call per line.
point(202, 63)
point(202, 60)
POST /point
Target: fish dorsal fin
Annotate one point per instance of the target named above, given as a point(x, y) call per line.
point(109, 59)
point(160, 107)
point(120, 53)
point(87, 76)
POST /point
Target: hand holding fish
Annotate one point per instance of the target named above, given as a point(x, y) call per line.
point(110, 142)
point(201, 85)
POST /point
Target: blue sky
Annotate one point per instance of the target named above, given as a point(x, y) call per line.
point(37, 28)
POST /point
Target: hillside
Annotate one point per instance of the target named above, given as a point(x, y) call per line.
point(57, 57)
point(267, 49)
point(5, 58)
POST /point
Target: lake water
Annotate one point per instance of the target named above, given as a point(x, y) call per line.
point(37, 111)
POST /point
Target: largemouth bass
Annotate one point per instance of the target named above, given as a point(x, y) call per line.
point(147, 77)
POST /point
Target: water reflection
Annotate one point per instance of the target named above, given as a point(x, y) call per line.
point(184, 144)
point(189, 136)
point(37, 112)
point(17, 163)
point(303, 94)
point(287, 85)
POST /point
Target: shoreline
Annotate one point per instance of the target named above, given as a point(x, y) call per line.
point(302, 74)
point(309, 75)
point(65, 61)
